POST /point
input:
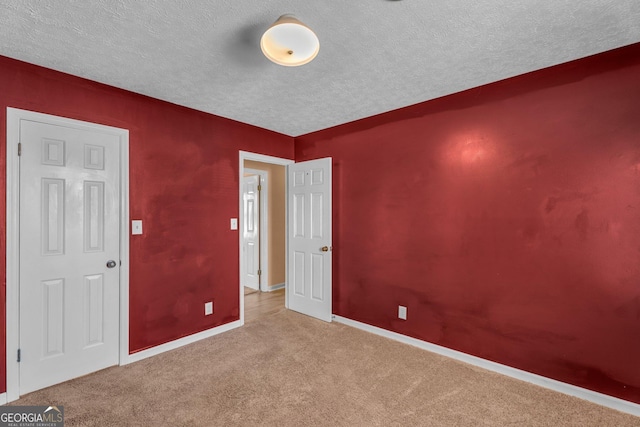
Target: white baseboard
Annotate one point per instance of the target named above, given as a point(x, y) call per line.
point(275, 287)
point(572, 390)
point(135, 357)
point(3, 398)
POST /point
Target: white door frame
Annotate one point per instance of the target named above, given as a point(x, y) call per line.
point(263, 230)
point(246, 155)
point(14, 116)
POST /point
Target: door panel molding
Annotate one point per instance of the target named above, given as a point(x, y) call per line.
point(14, 117)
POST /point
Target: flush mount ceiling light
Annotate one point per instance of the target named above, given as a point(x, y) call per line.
point(289, 42)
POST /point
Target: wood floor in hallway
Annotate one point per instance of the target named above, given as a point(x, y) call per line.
point(258, 303)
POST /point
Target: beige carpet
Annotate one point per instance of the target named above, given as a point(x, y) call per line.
point(286, 369)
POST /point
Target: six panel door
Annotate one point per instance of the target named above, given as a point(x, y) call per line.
point(251, 236)
point(309, 253)
point(69, 230)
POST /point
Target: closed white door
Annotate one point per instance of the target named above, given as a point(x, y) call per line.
point(309, 241)
point(251, 235)
point(69, 253)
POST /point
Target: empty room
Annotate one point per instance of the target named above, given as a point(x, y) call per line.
point(332, 213)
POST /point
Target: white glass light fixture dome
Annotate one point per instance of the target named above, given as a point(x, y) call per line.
point(289, 42)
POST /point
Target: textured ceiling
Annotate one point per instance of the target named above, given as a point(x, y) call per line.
point(375, 55)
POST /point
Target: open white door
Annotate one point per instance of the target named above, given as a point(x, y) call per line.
point(251, 232)
point(309, 238)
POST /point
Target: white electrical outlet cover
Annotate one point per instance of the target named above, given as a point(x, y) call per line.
point(402, 312)
point(208, 308)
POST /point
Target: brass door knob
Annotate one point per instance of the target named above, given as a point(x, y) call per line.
point(325, 249)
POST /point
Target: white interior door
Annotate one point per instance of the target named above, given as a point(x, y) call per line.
point(69, 253)
point(309, 238)
point(251, 234)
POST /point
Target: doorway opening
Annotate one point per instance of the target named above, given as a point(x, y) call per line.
point(307, 233)
point(262, 234)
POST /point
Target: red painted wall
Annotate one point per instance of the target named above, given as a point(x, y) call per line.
point(506, 218)
point(183, 185)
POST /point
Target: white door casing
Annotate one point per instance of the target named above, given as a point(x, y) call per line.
point(251, 231)
point(309, 238)
point(67, 197)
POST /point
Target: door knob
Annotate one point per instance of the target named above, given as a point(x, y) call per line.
point(325, 249)
point(111, 263)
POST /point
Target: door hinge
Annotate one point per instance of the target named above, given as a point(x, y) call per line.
point(19, 356)
point(19, 148)
point(259, 187)
point(259, 272)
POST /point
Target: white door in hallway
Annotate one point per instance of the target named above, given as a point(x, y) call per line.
point(69, 253)
point(251, 234)
point(309, 241)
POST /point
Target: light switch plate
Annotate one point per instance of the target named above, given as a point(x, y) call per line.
point(234, 223)
point(402, 312)
point(208, 308)
point(136, 226)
